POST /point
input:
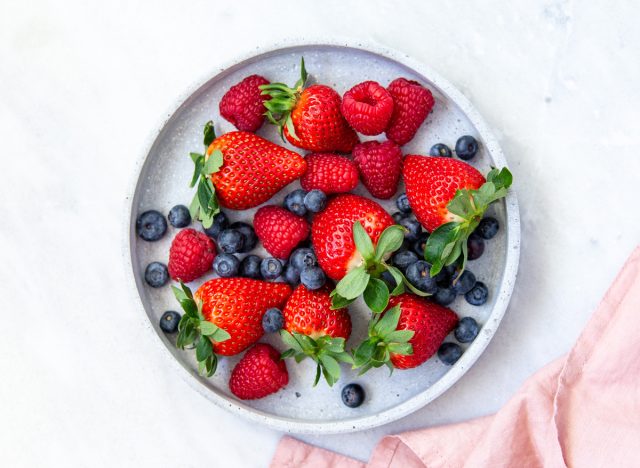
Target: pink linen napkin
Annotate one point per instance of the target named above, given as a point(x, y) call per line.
point(581, 410)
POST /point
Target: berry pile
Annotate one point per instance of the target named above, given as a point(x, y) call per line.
point(326, 247)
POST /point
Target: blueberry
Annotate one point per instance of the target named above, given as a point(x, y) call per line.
point(220, 223)
point(389, 280)
point(418, 275)
point(294, 202)
point(444, 296)
point(466, 147)
point(488, 228)
point(230, 241)
point(464, 283)
point(226, 265)
point(475, 247)
point(250, 239)
point(352, 395)
point(313, 277)
point(250, 267)
point(444, 277)
point(179, 216)
point(403, 258)
point(420, 243)
point(478, 294)
point(303, 257)
point(271, 268)
point(156, 274)
point(169, 321)
point(292, 275)
point(402, 202)
point(413, 228)
point(467, 330)
point(398, 216)
point(151, 225)
point(440, 149)
point(272, 320)
point(315, 201)
point(449, 353)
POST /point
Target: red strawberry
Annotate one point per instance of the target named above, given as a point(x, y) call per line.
point(330, 173)
point(259, 373)
point(368, 108)
point(191, 255)
point(380, 165)
point(225, 316)
point(412, 103)
point(279, 230)
point(243, 104)
point(332, 232)
point(309, 118)
point(314, 330)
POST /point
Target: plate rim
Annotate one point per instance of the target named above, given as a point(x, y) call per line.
point(475, 350)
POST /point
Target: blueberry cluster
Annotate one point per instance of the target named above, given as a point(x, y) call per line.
point(466, 148)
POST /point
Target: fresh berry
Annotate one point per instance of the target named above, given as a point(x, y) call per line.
point(403, 258)
point(271, 268)
point(413, 229)
point(332, 232)
point(441, 150)
point(156, 274)
point(418, 275)
point(303, 257)
point(352, 395)
point(250, 267)
point(292, 275)
point(467, 330)
point(488, 228)
point(315, 201)
point(398, 216)
point(249, 236)
point(179, 216)
point(259, 373)
point(220, 223)
point(402, 202)
point(151, 225)
point(313, 114)
point(475, 247)
point(444, 296)
point(279, 230)
point(273, 320)
point(412, 102)
point(478, 294)
point(169, 321)
point(230, 241)
point(191, 255)
point(330, 173)
point(389, 280)
point(466, 147)
point(294, 202)
point(445, 277)
point(226, 265)
point(313, 277)
point(380, 165)
point(243, 104)
point(449, 353)
point(420, 243)
point(464, 283)
point(368, 108)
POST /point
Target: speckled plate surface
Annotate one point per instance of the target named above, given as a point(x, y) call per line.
point(164, 173)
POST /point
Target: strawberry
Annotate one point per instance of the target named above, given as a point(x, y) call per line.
point(412, 102)
point(313, 329)
point(191, 255)
point(279, 230)
point(240, 170)
point(224, 316)
point(368, 108)
point(449, 198)
point(330, 173)
point(243, 104)
point(406, 335)
point(380, 165)
point(309, 118)
point(259, 373)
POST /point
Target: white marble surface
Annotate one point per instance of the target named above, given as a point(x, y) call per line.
point(82, 84)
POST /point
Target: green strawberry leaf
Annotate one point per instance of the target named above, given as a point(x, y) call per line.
point(198, 161)
point(354, 283)
point(401, 348)
point(203, 349)
point(399, 279)
point(389, 241)
point(290, 341)
point(388, 323)
point(376, 295)
point(400, 336)
point(209, 134)
point(214, 162)
point(339, 302)
point(363, 241)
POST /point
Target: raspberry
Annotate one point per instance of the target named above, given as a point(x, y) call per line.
point(368, 108)
point(412, 103)
point(279, 230)
point(243, 105)
point(191, 255)
point(330, 173)
point(259, 373)
point(380, 165)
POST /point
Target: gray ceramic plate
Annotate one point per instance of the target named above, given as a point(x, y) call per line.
point(162, 182)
